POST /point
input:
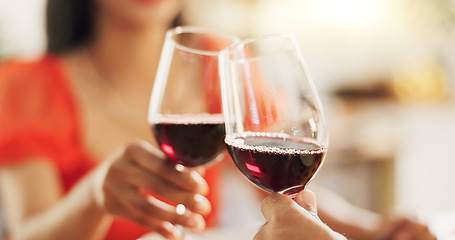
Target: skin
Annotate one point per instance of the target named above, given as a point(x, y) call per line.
point(358, 223)
point(293, 220)
point(299, 220)
point(128, 31)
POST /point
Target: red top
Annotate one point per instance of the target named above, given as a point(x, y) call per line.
point(39, 117)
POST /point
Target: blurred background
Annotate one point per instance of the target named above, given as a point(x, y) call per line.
point(385, 70)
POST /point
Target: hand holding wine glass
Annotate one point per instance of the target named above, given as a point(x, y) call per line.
point(275, 129)
point(138, 167)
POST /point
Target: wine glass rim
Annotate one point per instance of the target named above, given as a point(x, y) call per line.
point(235, 45)
point(198, 29)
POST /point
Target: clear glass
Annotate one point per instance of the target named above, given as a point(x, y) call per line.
point(275, 128)
point(185, 112)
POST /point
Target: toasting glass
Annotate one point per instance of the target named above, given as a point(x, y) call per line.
point(185, 112)
point(275, 128)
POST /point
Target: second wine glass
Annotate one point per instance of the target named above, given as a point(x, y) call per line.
point(275, 128)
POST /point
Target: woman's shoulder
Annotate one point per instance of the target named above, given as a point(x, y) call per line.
point(31, 84)
point(43, 68)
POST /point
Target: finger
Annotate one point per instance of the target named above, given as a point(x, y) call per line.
point(200, 170)
point(168, 191)
point(164, 228)
point(400, 227)
point(262, 232)
point(122, 208)
point(259, 236)
point(422, 231)
point(143, 154)
point(148, 209)
point(275, 203)
point(194, 221)
point(307, 200)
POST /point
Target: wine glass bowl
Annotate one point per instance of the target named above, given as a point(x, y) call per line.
point(185, 112)
point(275, 128)
point(190, 140)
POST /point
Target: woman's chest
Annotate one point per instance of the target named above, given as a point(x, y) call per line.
point(111, 125)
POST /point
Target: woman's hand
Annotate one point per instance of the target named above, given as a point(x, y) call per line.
point(293, 220)
point(125, 183)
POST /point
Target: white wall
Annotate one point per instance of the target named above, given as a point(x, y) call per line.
point(22, 27)
point(342, 41)
point(425, 162)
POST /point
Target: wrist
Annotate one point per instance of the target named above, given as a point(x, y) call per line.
point(96, 180)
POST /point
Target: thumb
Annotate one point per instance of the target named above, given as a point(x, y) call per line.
point(307, 200)
point(274, 204)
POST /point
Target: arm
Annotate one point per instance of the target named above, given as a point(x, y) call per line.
point(36, 208)
point(359, 223)
point(344, 217)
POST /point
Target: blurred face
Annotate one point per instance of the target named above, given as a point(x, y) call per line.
point(140, 12)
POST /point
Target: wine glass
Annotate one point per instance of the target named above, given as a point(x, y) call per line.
point(185, 112)
point(275, 128)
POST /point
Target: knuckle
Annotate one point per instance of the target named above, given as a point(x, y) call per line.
point(178, 219)
point(280, 216)
point(160, 188)
point(191, 186)
point(131, 148)
point(259, 235)
point(114, 171)
point(189, 200)
point(189, 181)
point(111, 207)
point(166, 229)
point(166, 167)
point(139, 218)
point(147, 208)
point(199, 204)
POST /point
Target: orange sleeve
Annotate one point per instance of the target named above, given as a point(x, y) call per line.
point(28, 120)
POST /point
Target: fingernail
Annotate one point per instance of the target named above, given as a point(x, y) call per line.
point(177, 234)
point(192, 222)
point(307, 197)
point(196, 223)
point(202, 204)
point(203, 187)
point(171, 232)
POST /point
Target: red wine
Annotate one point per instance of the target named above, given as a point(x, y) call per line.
point(276, 162)
point(190, 140)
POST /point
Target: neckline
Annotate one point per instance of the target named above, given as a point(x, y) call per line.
point(63, 78)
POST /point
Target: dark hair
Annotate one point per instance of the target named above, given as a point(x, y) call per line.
point(69, 23)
